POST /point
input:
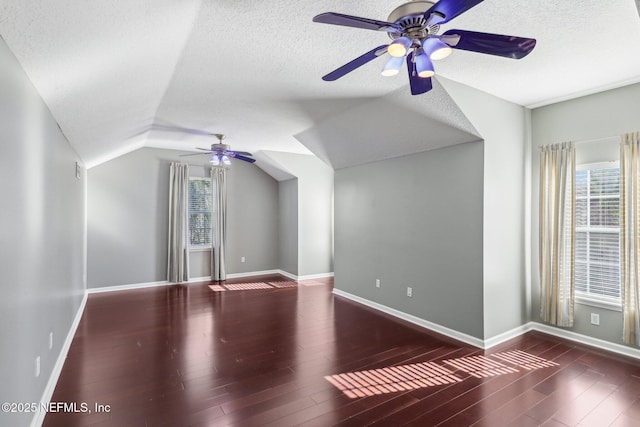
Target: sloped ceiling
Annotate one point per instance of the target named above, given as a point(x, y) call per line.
point(112, 70)
point(101, 67)
point(393, 125)
point(266, 161)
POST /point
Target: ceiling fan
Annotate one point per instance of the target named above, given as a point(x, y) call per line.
point(414, 27)
point(221, 154)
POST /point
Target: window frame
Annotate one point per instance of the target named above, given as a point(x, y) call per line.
point(586, 298)
point(206, 246)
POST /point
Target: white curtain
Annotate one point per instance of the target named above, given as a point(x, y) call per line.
point(630, 235)
point(178, 250)
point(557, 236)
point(219, 222)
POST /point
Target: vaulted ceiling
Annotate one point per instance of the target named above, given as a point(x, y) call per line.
point(118, 75)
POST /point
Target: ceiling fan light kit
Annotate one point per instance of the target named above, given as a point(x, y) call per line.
point(392, 66)
point(436, 48)
point(424, 66)
point(414, 28)
point(399, 47)
point(220, 159)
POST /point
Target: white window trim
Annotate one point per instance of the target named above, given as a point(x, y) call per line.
point(614, 304)
point(602, 302)
point(205, 247)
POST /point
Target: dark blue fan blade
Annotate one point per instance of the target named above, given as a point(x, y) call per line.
point(358, 62)
point(242, 153)
point(356, 22)
point(241, 157)
point(493, 44)
point(449, 9)
point(419, 85)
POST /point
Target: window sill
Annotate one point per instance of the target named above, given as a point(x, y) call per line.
point(199, 249)
point(607, 305)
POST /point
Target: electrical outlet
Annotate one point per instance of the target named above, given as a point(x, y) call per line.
point(242, 259)
point(409, 291)
point(595, 319)
point(377, 283)
point(37, 366)
point(50, 340)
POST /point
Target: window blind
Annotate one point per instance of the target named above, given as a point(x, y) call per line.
point(597, 244)
point(200, 202)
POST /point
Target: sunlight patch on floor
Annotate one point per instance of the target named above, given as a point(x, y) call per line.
point(252, 286)
point(428, 374)
point(480, 366)
point(392, 379)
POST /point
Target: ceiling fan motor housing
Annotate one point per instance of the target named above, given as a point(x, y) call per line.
point(220, 147)
point(410, 16)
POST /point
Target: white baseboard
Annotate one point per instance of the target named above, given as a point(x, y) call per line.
point(476, 342)
point(315, 276)
point(127, 287)
point(38, 417)
point(278, 271)
point(507, 335)
point(500, 338)
point(305, 277)
point(251, 273)
point(585, 339)
point(240, 275)
point(199, 279)
point(288, 275)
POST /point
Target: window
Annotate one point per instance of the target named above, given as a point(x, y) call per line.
point(200, 202)
point(597, 244)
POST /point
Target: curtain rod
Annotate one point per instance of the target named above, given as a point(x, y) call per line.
point(589, 140)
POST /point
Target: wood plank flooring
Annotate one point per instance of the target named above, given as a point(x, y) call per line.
point(189, 356)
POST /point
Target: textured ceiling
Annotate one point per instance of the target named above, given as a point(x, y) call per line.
point(110, 70)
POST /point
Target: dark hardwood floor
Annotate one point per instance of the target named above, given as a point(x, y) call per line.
point(191, 356)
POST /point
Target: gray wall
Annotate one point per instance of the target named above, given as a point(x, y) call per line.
point(127, 219)
point(503, 126)
point(315, 209)
point(601, 115)
point(315, 226)
point(288, 226)
point(42, 230)
point(415, 221)
point(252, 225)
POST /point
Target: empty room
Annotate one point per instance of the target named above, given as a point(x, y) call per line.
point(320, 213)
